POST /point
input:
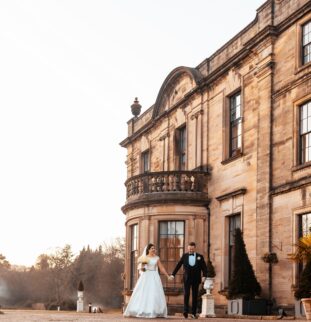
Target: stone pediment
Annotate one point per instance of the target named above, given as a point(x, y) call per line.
point(176, 85)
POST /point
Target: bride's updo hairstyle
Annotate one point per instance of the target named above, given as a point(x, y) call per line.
point(148, 248)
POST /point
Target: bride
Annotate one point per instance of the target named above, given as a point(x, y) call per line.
point(148, 299)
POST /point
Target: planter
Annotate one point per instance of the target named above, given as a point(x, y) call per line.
point(247, 307)
point(208, 285)
point(299, 310)
point(307, 307)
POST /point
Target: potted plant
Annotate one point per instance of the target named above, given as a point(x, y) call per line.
point(303, 255)
point(244, 289)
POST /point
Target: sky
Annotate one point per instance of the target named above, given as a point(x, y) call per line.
point(69, 72)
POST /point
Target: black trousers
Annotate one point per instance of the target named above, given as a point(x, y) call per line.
point(195, 290)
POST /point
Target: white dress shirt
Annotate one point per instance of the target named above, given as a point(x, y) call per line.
point(192, 259)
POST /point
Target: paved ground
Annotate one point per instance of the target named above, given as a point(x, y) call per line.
point(45, 316)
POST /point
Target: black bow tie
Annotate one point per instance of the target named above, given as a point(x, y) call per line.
point(191, 254)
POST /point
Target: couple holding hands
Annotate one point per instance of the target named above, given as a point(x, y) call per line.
point(148, 299)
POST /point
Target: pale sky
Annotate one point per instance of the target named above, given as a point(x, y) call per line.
point(69, 71)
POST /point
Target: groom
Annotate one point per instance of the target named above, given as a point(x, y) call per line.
point(193, 264)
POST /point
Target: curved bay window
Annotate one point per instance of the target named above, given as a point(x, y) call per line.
point(171, 248)
point(133, 255)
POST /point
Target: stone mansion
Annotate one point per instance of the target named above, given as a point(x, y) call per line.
point(227, 144)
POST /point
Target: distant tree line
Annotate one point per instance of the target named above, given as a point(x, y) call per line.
point(55, 277)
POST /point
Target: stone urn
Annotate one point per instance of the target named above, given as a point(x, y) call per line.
point(136, 107)
point(208, 285)
point(306, 302)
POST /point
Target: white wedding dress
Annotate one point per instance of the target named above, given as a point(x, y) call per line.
point(148, 299)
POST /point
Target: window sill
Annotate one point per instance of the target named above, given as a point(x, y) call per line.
point(302, 68)
point(238, 155)
point(301, 166)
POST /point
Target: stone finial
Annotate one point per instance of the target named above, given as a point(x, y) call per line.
point(136, 107)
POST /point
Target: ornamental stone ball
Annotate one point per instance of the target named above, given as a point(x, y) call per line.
point(136, 107)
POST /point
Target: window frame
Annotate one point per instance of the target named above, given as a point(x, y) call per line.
point(145, 159)
point(301, 149)
point(181, 147)
point(236, 122)
point(134, 238)
point(303, 46)
point(300, 234)
point(176, 284)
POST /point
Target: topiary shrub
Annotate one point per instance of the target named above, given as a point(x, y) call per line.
point(80, 287)
point(243, 283)
point(210, 269)
point(304, 286)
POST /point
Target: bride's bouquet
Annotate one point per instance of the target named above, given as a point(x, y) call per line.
point(143, 262)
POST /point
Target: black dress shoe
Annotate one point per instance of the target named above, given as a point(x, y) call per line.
point(185, 314)
point(193, 316)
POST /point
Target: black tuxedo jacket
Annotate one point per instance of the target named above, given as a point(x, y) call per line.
point(192, 274)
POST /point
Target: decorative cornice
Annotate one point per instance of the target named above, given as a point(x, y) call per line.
point(291, 186)
point(196, 115)
point(284, 89)
point(199, 199)
point(294, 17)
point(228, 195)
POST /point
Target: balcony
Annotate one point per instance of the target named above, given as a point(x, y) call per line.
point(166, 187)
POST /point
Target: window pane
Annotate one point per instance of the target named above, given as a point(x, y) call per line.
point(163, 228)
point(179, 227)
point(239, 143)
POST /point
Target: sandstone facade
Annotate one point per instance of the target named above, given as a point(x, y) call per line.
point(260, 177)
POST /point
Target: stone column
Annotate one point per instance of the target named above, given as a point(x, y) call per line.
point(80, 300)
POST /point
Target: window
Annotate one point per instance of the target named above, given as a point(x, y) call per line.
point(235, 142)
point(304, 228)
point(171, 248)
point(305, 133)
point(145, 161)
point(304, 224)
point(181, 147)
point(234, 222)
point(133, 256)
point(306, 43)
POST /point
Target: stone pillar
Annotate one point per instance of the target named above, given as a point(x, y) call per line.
point(208, 306)
point(208, 303)
point(80, 307)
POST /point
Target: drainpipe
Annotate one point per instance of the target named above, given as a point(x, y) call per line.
point(208, 231)
point(271, 155)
